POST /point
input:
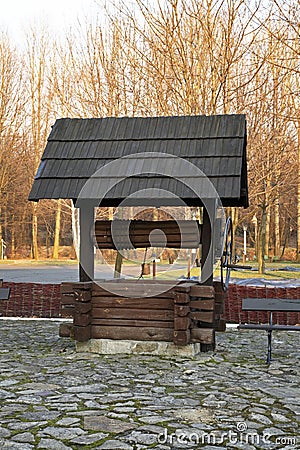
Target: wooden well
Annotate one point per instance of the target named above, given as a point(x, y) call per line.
point(183, 314)
point(191, 161)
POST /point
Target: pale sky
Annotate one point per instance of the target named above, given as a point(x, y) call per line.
point(17, 15)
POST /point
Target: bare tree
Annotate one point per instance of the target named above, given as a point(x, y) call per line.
point(40, 108)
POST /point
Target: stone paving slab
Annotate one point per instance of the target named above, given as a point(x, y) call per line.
point(54, 398)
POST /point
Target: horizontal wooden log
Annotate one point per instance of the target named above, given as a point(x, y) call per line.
point(66, 330)
point(141, 233)
point(139, 226)
point(220, 325)
point(182, 323)
point(132, 333)
point(181, 310)
point(202, 291)
point(138, 314)
point(82, 320)
point(181, 298)
point(82, 308)
point(184, 287)
point(202, 316)
point(82, 334)
point(67, 297)
point(82, 296)
point(136, 290)
point(182, 337)
point(203, 335)
point(144, 242)
point(129, 303)
point(132, 323)
point(129, 281)
point(207, 305)
point(67, 310)
point(68, 287)
point(65, 303)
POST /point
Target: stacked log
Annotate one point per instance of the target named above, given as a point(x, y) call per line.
point(183, 314)
point(129, 234)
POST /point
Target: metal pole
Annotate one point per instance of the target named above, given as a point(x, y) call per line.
point(245, 244)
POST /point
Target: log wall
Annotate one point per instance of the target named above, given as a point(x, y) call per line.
point(45, 300)
point(183, 314)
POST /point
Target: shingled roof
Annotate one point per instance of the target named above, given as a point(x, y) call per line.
point(78, 148)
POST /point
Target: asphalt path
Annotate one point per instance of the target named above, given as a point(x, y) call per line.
point(33, 272)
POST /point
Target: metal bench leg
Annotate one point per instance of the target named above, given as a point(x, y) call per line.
point(269, 347)
point(269, 356)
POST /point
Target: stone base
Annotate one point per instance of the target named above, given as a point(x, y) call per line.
point(113, 347)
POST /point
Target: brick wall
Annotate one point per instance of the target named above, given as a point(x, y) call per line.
point(42, 300)
point(31, 300)
point(233, 304)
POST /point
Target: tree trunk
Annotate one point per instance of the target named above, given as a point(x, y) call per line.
point(57, 231)
point(277, 228)
point(267, 236)
point(298, 209)
point(262, 242)
point(13, 249)
point(34, 231)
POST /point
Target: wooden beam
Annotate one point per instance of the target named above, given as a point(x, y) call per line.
point(118, 265)
point(202, 291)
point(138, 314)
point(203, 316)
point(116, 323)
point(203, 335)
point(181, 337)
point(86, 252)
point(206, 305)
point(128, 303)
point(132, 333)
point(207, 256)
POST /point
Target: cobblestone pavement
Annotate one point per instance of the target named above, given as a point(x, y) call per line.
point(54, 398)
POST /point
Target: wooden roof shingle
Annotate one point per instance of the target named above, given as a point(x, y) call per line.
point(153, 150)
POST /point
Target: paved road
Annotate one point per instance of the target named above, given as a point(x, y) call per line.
point(54, 398)
point(32, 272)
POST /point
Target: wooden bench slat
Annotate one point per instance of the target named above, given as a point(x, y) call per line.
point(254, 326)
point(271, 304)
point(4, 293)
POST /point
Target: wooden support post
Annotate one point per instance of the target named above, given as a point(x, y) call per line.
point(188, 268)
point(154, 269)
point(82, 312)
point(86, 253)
point(207, 256)
point(182, 322)
point(118, 265)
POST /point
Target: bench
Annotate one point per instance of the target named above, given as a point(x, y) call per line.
point(4, 292)
point(270, 305)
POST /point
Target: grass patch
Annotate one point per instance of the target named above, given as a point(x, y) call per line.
point(274, 271)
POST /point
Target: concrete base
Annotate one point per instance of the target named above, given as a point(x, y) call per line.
point(113, 347)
